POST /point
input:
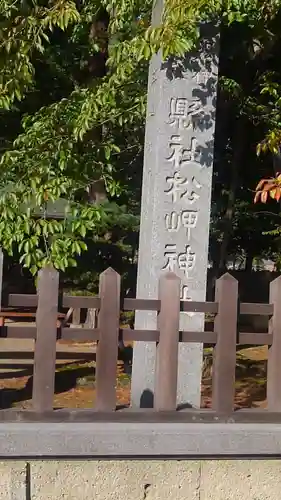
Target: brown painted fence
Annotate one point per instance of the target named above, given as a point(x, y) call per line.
point(168, 306)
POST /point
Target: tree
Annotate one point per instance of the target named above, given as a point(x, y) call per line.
point(248, 62)
point(75, 74)
point(72, 146)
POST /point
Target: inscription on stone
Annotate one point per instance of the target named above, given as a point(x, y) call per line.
point(180, 155)
point(187, 219)
point(183, 114)
point(179, 261)
point(178, 188)
point(176, 203)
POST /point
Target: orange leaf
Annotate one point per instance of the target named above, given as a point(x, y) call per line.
point(264, 196)
point(256, 198)
point(268, 186)
point(260, 184)
point(272, 193)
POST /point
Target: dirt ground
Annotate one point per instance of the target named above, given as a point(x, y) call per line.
point(75, 383)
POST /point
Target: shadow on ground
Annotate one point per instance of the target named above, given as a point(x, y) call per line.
point(250, 385)
point(68, 376)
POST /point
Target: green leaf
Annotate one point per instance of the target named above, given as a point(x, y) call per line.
point(83, 230)
point(34, 270)
point(107, 152)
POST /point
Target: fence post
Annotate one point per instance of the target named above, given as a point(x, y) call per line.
point(224, 356)
point(107, 347)
point(274, 351)
point(166, 373)
point(45, 344)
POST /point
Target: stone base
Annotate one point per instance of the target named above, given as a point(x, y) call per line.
point(141, 480)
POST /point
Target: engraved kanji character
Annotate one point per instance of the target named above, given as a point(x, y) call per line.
point(182, 112)
point(187, 218)
point(184, 261)
point(177, 189)
point(180, 155)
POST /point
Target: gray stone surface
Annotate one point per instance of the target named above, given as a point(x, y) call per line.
point(5, 474)
point(138, 440)
point(234, 480)
point(114, 480)
point(13, 481)
point(20, 481)
point(176, 194)
point(141, 480)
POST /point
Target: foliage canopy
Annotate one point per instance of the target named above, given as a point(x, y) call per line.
point(74, 75)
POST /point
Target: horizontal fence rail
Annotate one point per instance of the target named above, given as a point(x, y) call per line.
point(226, 310)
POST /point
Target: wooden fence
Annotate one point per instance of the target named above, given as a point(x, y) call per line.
point(168, 306)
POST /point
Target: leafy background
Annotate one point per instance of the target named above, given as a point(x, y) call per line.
point(73, 87)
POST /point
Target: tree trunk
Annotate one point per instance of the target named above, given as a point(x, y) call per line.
point(249, 262)
point(97, 67)
point(239, 146)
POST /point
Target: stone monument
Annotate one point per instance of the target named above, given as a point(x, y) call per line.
point(176, 195)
